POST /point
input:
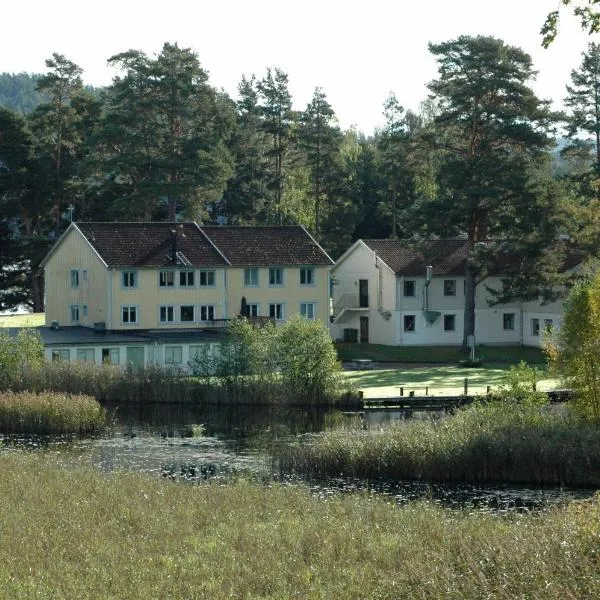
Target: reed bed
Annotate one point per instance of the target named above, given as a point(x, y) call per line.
point(73, 533)
point(155, 384)
point(485, 443)
point(49, 413)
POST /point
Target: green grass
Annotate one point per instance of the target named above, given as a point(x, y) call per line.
point(28, 320)
point(49, 413)
point(73, 533)
point(438, 354)
point(440, 380)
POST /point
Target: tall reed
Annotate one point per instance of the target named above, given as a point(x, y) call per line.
point(49, 413)
point(494, 442)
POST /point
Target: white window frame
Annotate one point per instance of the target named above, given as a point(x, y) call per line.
point(173, 355)
point(186, 306)
point(113, 356)
point(277, 311)
point(251, 278)
point(75, 313)
point(207, 275)
point(276, 277)
point(129, 280)
point(83, 355)
point(535, 327)
point(166, 278)
point(508, 321)
point(453, 317)
point(413, 282)
point(61, 355)
point(307, 276)
point(128, 309)
point(169, 313)
point(414, 323)
point(308, 310)
point(206, 312)
point(253, 309)
point(185, 276)
point(449, 287)
point(74, 279)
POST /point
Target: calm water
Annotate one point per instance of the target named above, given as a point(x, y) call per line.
point(187, 443)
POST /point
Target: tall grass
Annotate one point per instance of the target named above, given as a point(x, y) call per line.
point(493, 442)
point(49, 413)
point(156, 384)
point(72, 533)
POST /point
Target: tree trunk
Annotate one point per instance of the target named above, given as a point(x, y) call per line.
point(469, 318)
point(37, 291)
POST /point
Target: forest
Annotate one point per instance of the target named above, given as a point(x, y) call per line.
point(484, 158)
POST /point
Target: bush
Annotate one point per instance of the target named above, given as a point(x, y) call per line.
point(23, 351)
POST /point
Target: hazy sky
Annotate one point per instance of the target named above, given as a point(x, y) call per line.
point(358, 52)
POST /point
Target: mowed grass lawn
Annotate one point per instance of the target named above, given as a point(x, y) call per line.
point(27, 320)
point(440, 379)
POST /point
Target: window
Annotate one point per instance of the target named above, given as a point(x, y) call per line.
point(166, 278)
point(307, 276)
point(173, 355)
point(252, 310)
point(186, 278)
point(207, 312)
point(110, 356)
point(276, 311)
point(62, 355)
point(84, 275)
point(548, 324)
point(508, 321)
point(307, 309)
point(409, 322)
point(85, 355)
point(129, 314)
point(535, 327)
point(186, 314)
point(449, 287)
point(84, 311)
point(275, 276)
point(74, 278)
point(129, 279)
point(449, 322)
point(207, 278)
point(409, 288)
point(166, 314)
point(75, 314)
point(251, 276)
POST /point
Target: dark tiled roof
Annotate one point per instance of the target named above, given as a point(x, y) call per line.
point(447, 257)
point(267, 246)
point(150, 244)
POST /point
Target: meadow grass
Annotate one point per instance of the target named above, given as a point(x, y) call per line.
point(73, 533)
point(49, 413)
point(485, 442)
point(25, 320)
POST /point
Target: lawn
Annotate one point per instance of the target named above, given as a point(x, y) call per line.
point(440, 379)
point(26, 320)
point(439, 354)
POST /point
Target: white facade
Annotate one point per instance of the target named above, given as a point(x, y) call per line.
point(406, 310)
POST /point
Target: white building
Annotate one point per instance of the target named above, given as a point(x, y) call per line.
point(384, 293)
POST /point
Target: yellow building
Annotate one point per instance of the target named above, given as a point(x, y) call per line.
point(158, 280)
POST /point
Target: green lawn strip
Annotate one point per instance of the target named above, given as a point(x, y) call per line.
point(28, 320)
point(438, 354)
point(440, 380)
point(74, 533)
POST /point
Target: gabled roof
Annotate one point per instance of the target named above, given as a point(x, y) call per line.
point(447, 257)
point(122, 245)
point(267, 246)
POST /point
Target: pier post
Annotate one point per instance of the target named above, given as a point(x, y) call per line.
point(466, 386)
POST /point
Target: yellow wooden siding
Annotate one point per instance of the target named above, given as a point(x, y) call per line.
point(74, 253)
point(148, 297)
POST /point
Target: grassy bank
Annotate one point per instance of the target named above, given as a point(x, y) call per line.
point(26, 320)
point(495, 442)
point(69, 533)
point(49, 413)
point(438, 354)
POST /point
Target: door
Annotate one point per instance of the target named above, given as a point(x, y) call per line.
point(363, 293)
point(364, 330)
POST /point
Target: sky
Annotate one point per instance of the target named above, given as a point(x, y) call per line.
point(357, 52)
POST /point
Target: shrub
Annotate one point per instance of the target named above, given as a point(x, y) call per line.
point(25, 350)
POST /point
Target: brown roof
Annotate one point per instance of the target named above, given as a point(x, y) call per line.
point(151, 244)
point(447, 257)
point(267, 246)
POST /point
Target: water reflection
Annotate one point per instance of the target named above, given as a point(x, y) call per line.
point(196, 443)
